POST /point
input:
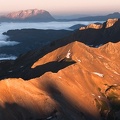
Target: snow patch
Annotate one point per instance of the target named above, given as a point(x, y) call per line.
point(116, 73)
point(49, 118)
point(78, 59)
point(115, 84)
point(93, 94)
point(68, 54)
point(99, 74)
point(99, 96)
point(108, 67)
point(100, 57)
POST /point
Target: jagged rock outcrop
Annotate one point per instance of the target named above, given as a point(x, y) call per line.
point(93, 26)
point(111, 22)
point(86, 87)
point(96, 35)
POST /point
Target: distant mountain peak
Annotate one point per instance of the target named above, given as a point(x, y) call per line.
point(25, 13)
point(30, 15)
point(115, 13)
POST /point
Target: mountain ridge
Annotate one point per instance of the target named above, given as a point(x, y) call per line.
point(102, 17)
point(30, 15)
point(25, 13)
point(95, 17)
point(65, 80)
point(30, 39)
point(62, 94)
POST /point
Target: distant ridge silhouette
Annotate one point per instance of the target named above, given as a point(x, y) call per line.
point(31, 15)
point(35, 15)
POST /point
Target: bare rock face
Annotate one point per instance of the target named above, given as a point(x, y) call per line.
point(111, 22)
point(93, 26)
point(85, 85)
point(25, 13)
point(29, 15)
point(24, 103)
point(96, 35)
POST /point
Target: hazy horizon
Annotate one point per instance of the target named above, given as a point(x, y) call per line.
point(63, 7)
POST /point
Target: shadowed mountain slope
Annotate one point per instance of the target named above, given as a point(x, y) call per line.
point(93, 35)
point(98, 34)
point(30, 39)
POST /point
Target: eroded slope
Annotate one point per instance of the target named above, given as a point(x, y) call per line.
point(84, 86)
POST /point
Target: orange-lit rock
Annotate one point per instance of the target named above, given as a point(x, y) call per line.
point(87, 89)
point(111, 22)
point(93, 26)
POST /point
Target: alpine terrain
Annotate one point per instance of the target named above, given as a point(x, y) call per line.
point(30, 15)
point(65, 80)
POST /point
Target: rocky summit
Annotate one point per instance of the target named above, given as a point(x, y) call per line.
point(69, 82)
point(30, 15)
point(25, 13)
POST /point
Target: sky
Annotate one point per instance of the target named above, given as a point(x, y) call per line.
point(63, 7)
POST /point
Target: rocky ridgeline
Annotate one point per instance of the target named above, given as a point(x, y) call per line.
point(97, 34)
point(26, 13)
point(109, 23)
point(93, 26)
point(72, 82)
point(31, 15)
